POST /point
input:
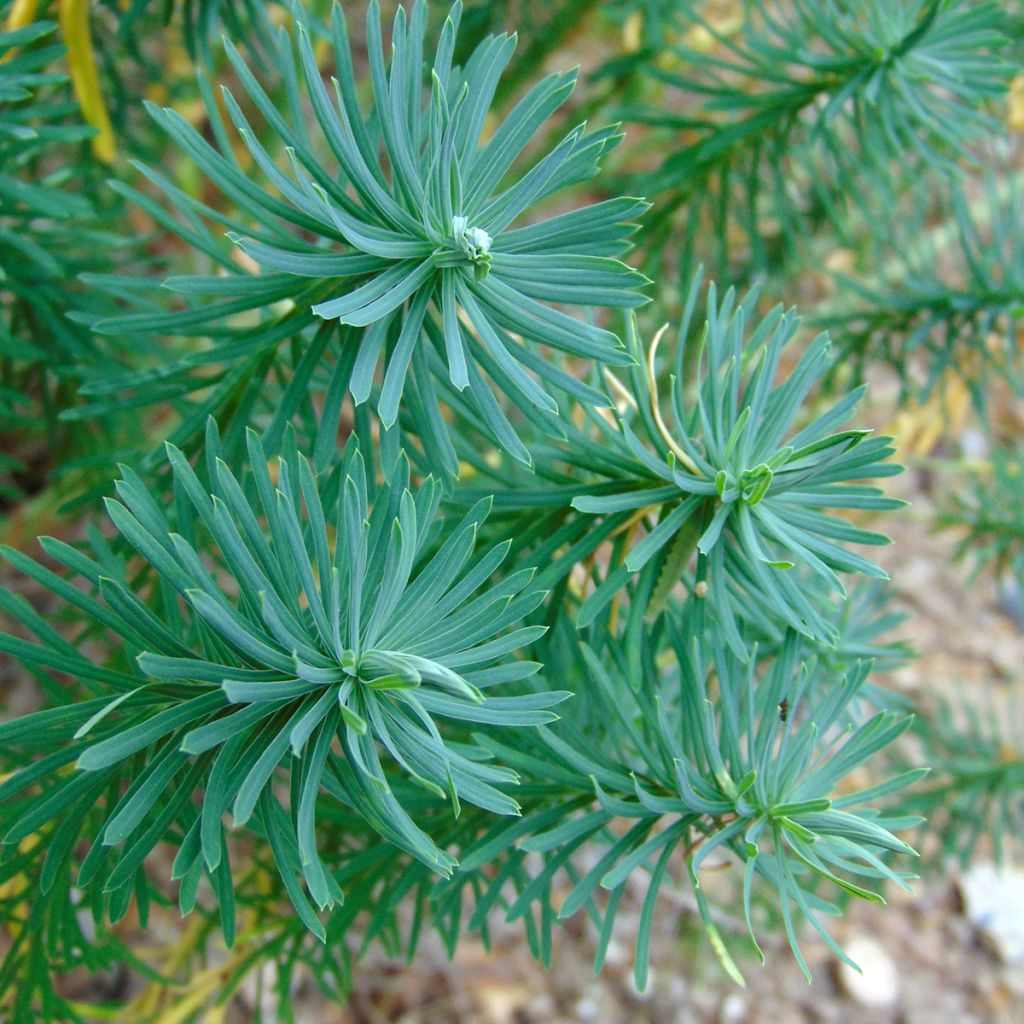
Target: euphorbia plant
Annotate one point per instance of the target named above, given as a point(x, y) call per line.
point(445, 574)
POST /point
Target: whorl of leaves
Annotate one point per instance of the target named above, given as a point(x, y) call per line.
point(406, 228)
point(353, 624)
point(806, 105)
point(727, 471)
point(699, 754)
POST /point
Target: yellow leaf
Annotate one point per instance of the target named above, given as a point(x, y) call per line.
point(920, 426)
point(200, 993)
point(632, 32)
point(74, 23)
point(216, 1015)
point(1015, 113)
point(23, 13)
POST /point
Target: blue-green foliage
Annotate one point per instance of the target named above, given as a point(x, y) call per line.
point(50, 231)
point(443, 577)
point(352, 624)
point(397, 237)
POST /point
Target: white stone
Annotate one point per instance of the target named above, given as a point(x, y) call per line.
point(994, 903)
point(878, 982)
point(734, 1009)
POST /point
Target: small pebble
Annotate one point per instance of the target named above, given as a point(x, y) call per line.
point(734, 1009)
point(994, 903)
point(878, 983)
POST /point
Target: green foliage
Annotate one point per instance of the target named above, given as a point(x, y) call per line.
point(933, 313)
point(342, 629)
point(807, 105)
point(439, 601)
point(201, 22)
point(397, 270)
point(986, 511)
point(707, 753)
point(731, 477)
point(49, 232)
point(975, 796)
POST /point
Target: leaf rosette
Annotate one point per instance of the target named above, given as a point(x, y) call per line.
point(408, 226)
point(351, 634)
point(730, 475)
